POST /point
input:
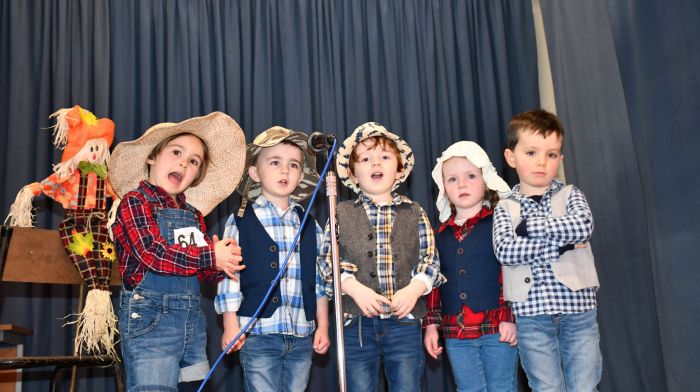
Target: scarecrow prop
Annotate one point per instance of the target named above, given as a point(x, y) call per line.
point(80, 184)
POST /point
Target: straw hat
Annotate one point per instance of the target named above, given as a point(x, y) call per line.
point(364, 131)
point(478, 157)
point(250, 189)
point(224, 139)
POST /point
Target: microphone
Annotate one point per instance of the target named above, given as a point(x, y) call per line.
point(319, 141)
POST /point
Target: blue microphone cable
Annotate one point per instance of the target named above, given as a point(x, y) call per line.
point(283, 268)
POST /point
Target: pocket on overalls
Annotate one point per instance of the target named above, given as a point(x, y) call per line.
point(144, 314)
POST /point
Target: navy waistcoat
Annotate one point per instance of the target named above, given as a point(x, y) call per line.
point(471, 269)
point(261, 257)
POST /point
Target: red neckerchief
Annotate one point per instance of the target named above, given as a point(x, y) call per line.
point(461, 231)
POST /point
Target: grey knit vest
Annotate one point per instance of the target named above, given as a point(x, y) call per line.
point(358, 245)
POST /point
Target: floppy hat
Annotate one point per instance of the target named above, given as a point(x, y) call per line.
point(250, 189)
point(364, 131)
point(478, 157)
point(224, 139)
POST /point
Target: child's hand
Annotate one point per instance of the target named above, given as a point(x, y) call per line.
point(227, 337)
point(321, 340)
point(228, 256)
point(508, 333)
point(430, 340)
point(366, 299)
point(405, 299)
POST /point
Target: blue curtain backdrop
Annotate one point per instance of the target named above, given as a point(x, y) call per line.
point(434, 72)
point(626, 83)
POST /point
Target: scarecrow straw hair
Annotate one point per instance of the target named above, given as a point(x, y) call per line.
point(97, 325)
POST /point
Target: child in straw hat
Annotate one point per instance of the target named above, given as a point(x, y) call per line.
point(276, 356)
point(388, 262)
point(169, 179)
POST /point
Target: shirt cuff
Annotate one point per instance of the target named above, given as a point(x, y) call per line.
point(346, 275)
point(427, 280)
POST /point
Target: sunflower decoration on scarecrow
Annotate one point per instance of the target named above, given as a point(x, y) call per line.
point(80, 184)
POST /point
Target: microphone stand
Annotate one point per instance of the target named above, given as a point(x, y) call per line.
point(332, 193)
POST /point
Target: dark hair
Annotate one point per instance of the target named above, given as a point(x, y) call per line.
point(537, 121)
point(205, 159)
point(372, 142)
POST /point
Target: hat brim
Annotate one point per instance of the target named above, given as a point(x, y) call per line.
point(310, 177)
point(364, 131)
point(224, 139)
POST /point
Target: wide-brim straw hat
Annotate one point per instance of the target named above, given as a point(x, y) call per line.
point(361, 133)
point(224, 139)
point(478, 157)
point(273, 136)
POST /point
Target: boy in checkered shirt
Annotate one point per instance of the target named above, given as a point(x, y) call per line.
point(540, 235)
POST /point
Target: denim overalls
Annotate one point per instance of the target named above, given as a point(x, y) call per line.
point(163, 329)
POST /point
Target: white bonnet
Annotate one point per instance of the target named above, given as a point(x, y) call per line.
point(478, 157)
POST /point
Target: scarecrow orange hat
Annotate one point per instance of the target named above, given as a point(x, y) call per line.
point(75, 126)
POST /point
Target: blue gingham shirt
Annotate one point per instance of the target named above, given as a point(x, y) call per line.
point(382, 216)
point(545, 234)
point(289, 318)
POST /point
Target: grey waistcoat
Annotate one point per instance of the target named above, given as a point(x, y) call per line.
point(357, 244)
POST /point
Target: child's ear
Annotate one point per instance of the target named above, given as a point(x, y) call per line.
point(510, 157)
point(253, 173)
point(150, 161)
point(352, 177)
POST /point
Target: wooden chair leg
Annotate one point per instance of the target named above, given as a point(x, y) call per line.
point(118, 377)
point(56, 384)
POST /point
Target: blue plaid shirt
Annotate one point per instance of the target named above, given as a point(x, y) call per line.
point(289, 318)
point(545, 234)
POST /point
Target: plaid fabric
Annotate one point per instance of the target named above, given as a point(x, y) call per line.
point(84, 234)
point(289, 318)
point(467, 324)
point(382, 218)
point(141, 247)
point(545, 235)
point(461, 231)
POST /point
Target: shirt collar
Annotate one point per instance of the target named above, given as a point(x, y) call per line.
point(162, 195)
point(396, 199)
point(555, 185)
point(262, 202)
point(483, 213)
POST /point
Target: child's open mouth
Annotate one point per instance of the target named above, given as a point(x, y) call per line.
point(377, 175)
point(175, 178)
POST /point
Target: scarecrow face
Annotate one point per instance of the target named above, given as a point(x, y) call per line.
point(177, 165)
point(94, 151)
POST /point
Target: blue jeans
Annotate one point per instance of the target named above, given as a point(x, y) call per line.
point(276, 362)
point(397, 344)
point(163, 335)
point(560, 352)
point(482, 364)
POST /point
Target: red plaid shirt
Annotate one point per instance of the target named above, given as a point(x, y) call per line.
point(141, 247)
point(467, 324)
